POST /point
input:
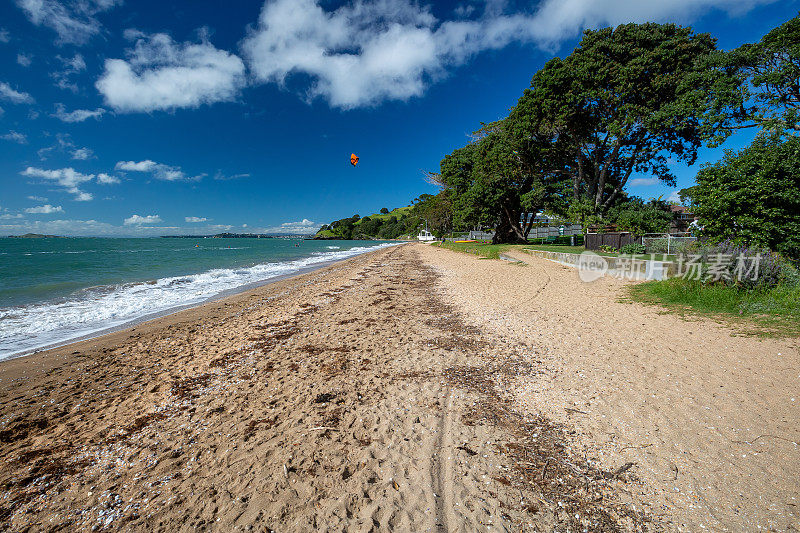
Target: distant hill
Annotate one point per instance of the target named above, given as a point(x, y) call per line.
point(397, 223)
point(35, 236)
point(238, 236)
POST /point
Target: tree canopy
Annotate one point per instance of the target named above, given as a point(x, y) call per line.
point(640, 217)
point(772, 67)
point(753, 197)
point(501, 180)
point(634, 99)
point(628, 100)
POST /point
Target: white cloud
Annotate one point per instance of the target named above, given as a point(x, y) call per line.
point(4, 35)
point(299, 228)
point(24, 60)
point(557, 19)
point(303, 223)
point(92, 228)
point(81, 196)
point(82, 154)
point(369, 51)
point(9, 216)
point(196, 219)
point(157, 170)
point(46, 209)
point(66, 177)
point(69, 180)
point(15, 97)
point(219, 227)
point(72, 65)
point(63, 144)
point(138, 219)
point(79, 115)
point(141, 166)
point(15, 136)
point(37, 198)
point(673, 197)
point(73, 20)
point(644, 182)
point(222, 177)
point(160, 74)
point(106, 179)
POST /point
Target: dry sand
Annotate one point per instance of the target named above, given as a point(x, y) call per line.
point(409, 389)
point(710, 418)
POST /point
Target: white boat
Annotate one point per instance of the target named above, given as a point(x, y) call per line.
point(425, 236)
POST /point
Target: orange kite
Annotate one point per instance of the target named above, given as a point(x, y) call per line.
point(353, 159)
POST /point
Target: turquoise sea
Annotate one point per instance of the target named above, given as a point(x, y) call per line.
point(54, 290)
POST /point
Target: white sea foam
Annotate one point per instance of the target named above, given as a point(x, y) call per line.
point(95, 309)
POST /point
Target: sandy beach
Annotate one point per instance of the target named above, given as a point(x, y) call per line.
point(407, 389)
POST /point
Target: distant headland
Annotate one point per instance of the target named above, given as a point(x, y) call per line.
point(36, 236)
point(236, 236)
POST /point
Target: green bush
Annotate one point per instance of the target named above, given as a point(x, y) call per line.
point(676, 246)
point(633, 248)
point(752, 197)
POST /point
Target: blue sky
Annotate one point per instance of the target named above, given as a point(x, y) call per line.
point(148, 118)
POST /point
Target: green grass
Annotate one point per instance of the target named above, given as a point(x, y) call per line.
point(393, 213)
point(772, 312)
point(580, 249)
point(493, 251)
point(326, 234)
point(489, 251)
point(555, 248)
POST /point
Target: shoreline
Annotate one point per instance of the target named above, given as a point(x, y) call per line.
point(42, 359)
point(106, 330)
point(410, 388)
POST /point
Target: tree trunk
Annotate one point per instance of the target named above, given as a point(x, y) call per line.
point(509, 230)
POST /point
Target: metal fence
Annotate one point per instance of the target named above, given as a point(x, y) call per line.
point(542, 232)
point(536, 233)
point(481, 235)
point(667, 243)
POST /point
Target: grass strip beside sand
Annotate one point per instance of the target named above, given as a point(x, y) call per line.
point(772, 312)
point(493, 251)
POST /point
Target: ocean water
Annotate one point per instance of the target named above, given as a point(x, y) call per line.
point(56, 290)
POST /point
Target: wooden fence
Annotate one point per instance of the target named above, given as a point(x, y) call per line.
point(593, 241)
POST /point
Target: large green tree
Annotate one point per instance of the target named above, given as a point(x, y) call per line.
point(500, 180)
point(753, 196)
point(772, 67)
point(433, 209)
point(640, 217)
point(455, 177)
point(629, 99)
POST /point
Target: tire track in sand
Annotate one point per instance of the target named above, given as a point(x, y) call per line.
point(442, 467)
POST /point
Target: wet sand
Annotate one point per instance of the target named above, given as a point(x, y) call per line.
point(408, 389)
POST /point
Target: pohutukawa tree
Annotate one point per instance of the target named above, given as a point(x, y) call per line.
point(500, 180)
point(627, 100)
point(772, 66)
